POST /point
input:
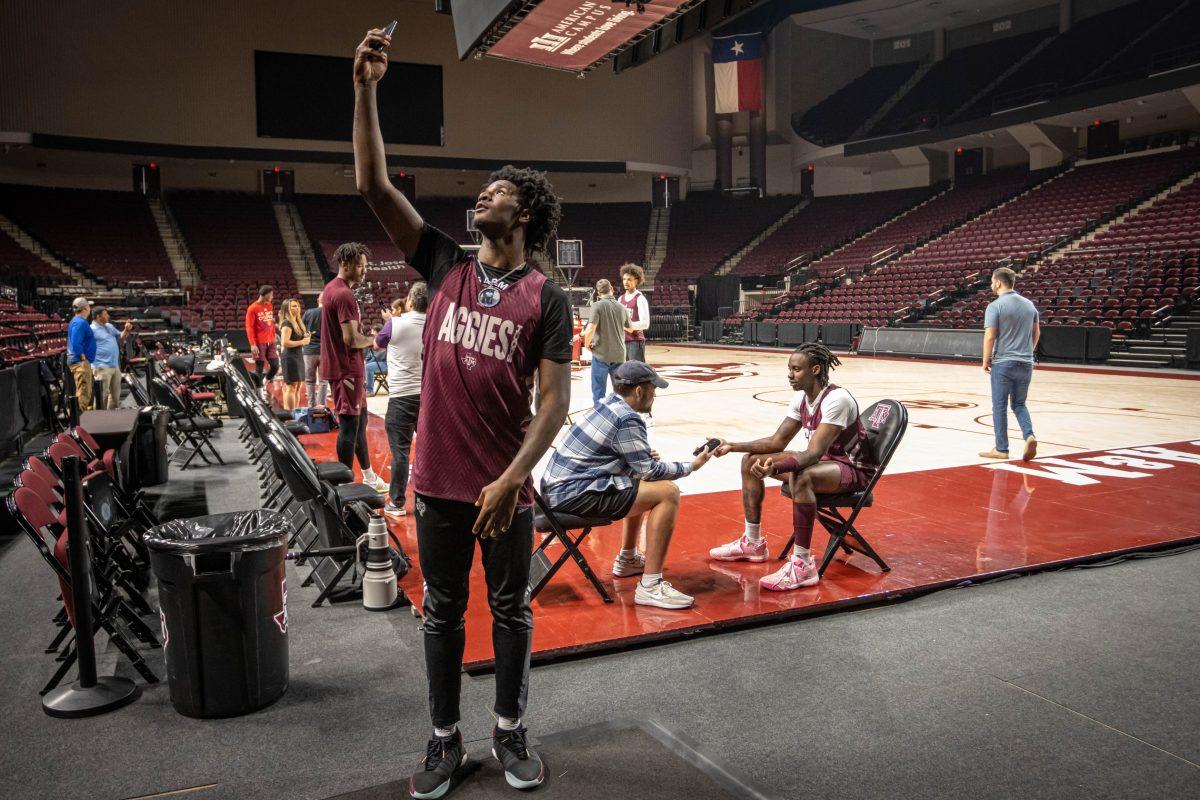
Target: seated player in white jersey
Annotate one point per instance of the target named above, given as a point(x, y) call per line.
point(834, 456)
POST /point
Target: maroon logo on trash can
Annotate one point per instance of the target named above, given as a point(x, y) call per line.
point(880, 416)
point(281, 617)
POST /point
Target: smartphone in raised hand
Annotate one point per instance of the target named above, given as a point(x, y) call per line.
point(389, 29)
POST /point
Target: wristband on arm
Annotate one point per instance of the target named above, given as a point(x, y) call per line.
point(784, 465)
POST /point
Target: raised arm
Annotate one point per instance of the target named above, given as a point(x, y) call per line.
point(395, 213)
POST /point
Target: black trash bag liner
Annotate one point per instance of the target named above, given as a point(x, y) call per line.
point(261, 529)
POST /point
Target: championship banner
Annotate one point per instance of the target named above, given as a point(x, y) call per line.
point(737, 72)
point(573, 35)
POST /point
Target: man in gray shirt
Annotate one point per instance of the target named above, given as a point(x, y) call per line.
point(1010, 337)
point(605, 335)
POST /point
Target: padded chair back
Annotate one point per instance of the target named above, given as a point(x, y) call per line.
point(57, 452)
point(300, 482)
point(29, 479)
point(50, 538)
point(165, 396)
point(39, 467)
point(885, 423)
point(137, 388)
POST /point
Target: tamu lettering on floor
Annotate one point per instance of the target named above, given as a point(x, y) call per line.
point(1135, 462)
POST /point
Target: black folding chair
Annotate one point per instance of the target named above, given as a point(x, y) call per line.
point(195, 431)
point(885, 423)
point(380, 361)
point(558, 525)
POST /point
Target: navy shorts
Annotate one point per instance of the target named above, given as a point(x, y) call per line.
point(611, 504)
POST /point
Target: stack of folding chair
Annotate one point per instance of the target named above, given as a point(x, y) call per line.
point(116, 519)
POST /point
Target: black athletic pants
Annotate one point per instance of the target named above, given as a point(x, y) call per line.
point(446, 548)
point(352, 439)
point(401, 421)
point(266, 369)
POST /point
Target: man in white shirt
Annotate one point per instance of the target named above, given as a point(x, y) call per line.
point(401, 336)
point(833, 457)
point(632, 277)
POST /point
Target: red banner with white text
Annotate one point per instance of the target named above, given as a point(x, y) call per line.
point(573, 35)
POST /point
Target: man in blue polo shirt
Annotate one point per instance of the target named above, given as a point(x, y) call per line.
point(1010, 338)
point(81, 352)
point(107, 366)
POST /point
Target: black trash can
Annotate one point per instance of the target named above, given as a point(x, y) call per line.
point(148, 460)
point(223, 606)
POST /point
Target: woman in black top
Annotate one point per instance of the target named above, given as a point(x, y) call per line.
point(292, 337)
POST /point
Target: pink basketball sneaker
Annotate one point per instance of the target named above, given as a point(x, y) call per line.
point(794, 574)
point(741, 550)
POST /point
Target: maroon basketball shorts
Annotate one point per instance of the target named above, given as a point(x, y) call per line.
point(348, 393)
point(852, 478)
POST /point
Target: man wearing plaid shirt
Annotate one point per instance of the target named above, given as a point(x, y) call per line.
point(606, 469)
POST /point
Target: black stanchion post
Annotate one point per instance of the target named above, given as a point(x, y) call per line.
point(90, 694)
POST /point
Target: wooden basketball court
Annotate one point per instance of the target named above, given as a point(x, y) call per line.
point(1118, 471)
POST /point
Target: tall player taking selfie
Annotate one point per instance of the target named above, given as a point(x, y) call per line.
point(493, 322)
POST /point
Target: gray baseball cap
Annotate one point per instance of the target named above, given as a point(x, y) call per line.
point(631, 373)
point(80, 303)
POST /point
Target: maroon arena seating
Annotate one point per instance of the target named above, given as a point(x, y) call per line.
point(235, 241)
point(17, 262)
point(1055, 210)
point(111, 235)
point(613, 234)
point(707, 228)
point(839, 115)
point(1125, 278)
point(824, 223)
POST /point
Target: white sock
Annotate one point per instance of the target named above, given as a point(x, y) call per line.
point(630, 553)
point(369, 475)
point(444, 732)
point(651, 579)
point(801, 552)
point(753, 531)
point(507, 723)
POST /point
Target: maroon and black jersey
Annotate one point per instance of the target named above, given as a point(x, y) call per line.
point(479, 366)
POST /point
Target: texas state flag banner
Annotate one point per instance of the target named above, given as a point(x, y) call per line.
point(737, 72)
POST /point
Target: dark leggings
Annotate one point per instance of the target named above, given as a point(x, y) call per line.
point(446, 548)
point(352, 440)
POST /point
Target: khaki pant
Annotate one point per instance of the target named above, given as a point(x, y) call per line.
point(81, 371)
point(110, 386)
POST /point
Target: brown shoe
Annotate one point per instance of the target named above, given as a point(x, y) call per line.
point(1030, 449)
point(993, 454)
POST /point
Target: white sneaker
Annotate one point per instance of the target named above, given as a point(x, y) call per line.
point(393, 511)
point(378, 485)
point(623, 567)
point(662, 595)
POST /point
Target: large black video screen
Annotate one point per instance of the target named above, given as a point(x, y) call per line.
point(312, 97)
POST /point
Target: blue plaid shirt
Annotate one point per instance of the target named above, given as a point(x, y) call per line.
point(605, 450)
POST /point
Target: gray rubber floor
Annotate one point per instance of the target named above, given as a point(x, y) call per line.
point(1079, 684)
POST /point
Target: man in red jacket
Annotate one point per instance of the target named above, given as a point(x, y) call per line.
point(260, 331)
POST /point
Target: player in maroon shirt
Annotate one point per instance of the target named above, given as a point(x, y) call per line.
point(493, 324)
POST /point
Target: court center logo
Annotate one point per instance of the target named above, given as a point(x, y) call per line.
point(938, 404)
point(705, 373)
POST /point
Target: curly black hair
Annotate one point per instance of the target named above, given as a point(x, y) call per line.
point(538, 198)
point(820, 355)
